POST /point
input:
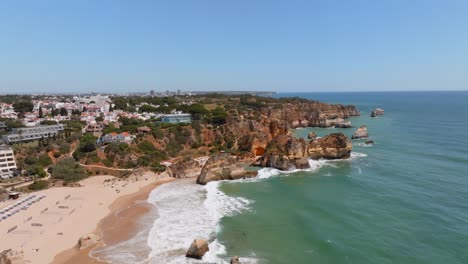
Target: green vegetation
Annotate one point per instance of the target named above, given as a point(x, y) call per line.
point(68, 170)
point(22, 107)
point(38, 185)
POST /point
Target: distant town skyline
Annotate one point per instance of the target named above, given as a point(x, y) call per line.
point(109, 46)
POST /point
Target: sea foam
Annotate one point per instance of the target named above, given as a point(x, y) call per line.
point(187, 211)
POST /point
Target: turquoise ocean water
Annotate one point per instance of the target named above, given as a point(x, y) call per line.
point(402, 200)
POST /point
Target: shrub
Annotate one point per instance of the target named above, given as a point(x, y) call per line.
point(38, 185)
point(107, 163)
point(68, 170)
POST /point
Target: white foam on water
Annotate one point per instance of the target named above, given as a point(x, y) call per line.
point(356, 155)
point(187, 211)
point(362, 144)
point(315, 165)
point(120, 253)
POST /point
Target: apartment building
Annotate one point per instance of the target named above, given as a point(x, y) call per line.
point(7, 162)
point(25, 134)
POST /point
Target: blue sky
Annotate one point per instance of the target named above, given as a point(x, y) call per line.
point(121, 46)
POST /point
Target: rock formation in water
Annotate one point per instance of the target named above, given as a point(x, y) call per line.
point(376, 112)
point(352, 110)
point(287, 152)
point(360, 133)
point(88, 241)
point(332, 146)
point(369, 142)
point(235, 260)
point(197, 249)
point(223, 167)
point(10, 256)
point(311, 135)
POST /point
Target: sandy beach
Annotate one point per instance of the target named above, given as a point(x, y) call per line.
point(53, 225)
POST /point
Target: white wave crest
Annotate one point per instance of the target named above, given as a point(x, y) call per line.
point(188, 211)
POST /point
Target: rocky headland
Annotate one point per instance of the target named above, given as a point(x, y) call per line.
point(287, 152)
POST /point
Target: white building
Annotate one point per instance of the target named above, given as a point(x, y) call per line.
point(7, 162)
point(31, 133)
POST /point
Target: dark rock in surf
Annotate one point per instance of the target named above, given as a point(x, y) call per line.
point(197, 249)
point(235, 260)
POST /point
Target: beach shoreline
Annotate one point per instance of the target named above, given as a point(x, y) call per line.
point(119, 225)
point(54, 224)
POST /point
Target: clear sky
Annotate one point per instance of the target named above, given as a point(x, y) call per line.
point(138, 45)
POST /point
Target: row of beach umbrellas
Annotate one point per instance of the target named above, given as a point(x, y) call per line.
point(20, 205)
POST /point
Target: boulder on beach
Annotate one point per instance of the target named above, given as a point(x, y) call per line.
point(376, 112)
point(312, 135)
point(88, 241)
point(197, 249)
point(360, 133)
point(235, 260)
point(10, 256)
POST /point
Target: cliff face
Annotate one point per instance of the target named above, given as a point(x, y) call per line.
point(253, 130)
point(223, 167)
point(287, 152)
point(188, 169)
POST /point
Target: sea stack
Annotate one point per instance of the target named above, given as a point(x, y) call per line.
point(312, 135)
point(376, 112)
point(198, 249)
point(360, 133)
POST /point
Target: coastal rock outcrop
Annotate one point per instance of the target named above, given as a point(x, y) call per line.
point(361, 132)
point(369, 142)
point(287, 152)
point(376, 112)
point(185, 169)
point(223, 167)
point(352, 110)
point(312, 135)
point(332, 146)
point(197, 249)
point(88, 241)
point(10, 256)
point(235, 260)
